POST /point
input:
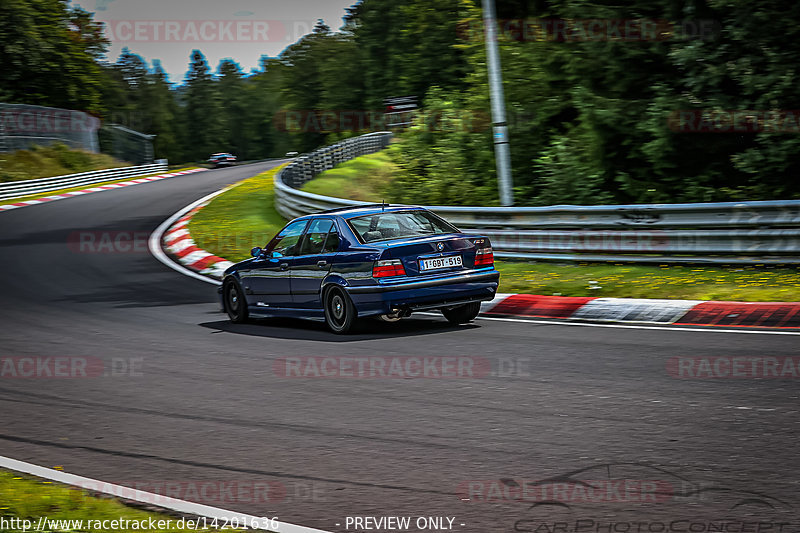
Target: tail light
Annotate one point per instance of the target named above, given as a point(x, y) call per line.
point(388, 268)
point(484, 257)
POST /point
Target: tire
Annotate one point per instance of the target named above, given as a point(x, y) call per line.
point(340, 313)
point(234, 301)
point(463, 313)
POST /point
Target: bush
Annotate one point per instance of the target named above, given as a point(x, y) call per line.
point(55, 160)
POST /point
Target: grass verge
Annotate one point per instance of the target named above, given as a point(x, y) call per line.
point(747, 284)
point(245, 217)
point(236, 221)
point(54, 160)
point(367, 178)
point(82, 187)
point(28, 498)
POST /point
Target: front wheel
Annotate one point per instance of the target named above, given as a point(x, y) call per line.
point(340, 313)
point(235, 302)
point(463, 313)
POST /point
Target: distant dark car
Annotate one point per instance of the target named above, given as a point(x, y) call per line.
point(222, 160)
point(368, 261)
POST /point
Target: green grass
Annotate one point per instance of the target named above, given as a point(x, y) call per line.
point(366, 178)
point(82, 187)
point(31, 498)
point(55, 160)
point(245, 217)
point(236, 221)
point(748, 284)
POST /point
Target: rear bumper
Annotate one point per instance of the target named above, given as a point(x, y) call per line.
point(417, 295)
point(475, 276)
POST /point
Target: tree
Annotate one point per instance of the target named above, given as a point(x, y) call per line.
point(203, 111)
point(163, 116)
point(48, 55)
point(407, 47)
point(236, 111)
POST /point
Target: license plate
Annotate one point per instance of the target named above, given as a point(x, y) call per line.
point(440, 262)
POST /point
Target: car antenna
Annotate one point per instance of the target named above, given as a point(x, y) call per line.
point(383, 205)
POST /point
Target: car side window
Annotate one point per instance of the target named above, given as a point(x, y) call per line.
point(314, 239)
point(286, 242)
point(331, 241)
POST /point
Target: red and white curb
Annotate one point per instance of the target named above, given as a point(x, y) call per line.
point(179, 244)
point(156, 500)
point(783, 315)
point(176, 227)
point(72, 194)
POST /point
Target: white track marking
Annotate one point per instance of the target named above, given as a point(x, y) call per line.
point(154, 243)
point(711, 329)
point(63, 196)
point(194, 257)
point(653, 311)
point(165, 502)
point(499, 297)
point(180, 245)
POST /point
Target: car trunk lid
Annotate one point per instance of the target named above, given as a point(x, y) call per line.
point(412, 251)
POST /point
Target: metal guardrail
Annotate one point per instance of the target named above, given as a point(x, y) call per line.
point(763, 232)
point(306, 166)
point(19, 189)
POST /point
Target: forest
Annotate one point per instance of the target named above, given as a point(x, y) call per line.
point(639, 101)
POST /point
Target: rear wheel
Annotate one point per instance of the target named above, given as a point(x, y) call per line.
point(235, 302)
point(463, 313)
point(340, 313)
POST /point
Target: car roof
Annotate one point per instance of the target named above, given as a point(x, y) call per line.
point(368, 209)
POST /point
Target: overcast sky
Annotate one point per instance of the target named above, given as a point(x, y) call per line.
point(244, 30)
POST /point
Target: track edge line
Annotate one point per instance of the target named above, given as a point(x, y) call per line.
point(171, 504)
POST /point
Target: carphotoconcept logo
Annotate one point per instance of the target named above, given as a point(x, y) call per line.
point(663, 502)
point(592, 525)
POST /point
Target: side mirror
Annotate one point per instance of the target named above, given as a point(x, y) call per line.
point(255, 252)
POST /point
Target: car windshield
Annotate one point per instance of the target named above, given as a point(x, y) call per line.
point(398, 225)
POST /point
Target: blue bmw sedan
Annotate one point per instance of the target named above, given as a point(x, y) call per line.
point(367, 261)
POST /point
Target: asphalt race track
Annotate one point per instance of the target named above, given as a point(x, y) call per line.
point(204, 404)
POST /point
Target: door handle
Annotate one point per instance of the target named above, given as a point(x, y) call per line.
point(321, 263)
point(284, 266)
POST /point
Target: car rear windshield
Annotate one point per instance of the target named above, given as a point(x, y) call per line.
point(398, 225)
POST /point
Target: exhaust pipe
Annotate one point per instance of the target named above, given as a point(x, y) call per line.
point(395, 315)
